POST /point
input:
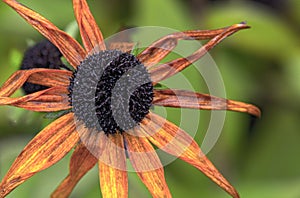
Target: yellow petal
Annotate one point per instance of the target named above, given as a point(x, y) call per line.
point(147, 165)
point(112, 168)
point(69, 47)
point(81, 162)
point(189, 99)
point(175, 141)
point(90, 33)
point(44, 150)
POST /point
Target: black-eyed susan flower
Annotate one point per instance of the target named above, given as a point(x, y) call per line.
point(109, 96)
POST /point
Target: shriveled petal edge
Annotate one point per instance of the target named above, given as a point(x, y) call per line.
point(166, 70)
point(162, 47)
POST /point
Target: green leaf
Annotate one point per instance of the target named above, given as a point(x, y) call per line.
point(72, 29)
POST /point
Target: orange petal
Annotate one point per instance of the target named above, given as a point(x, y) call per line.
point(171, 68)
point(44, 106)
point(47, 77)
point(90, 33)
point(69, 47)
point(51, 78)
point(29, 97)
point(81, 162)
point(112, 168)
point(44, 150)
point(147, 165)
point(15, 81)
point(162, 47)
point(48, 100)
point(189, 99)
point(175, 141)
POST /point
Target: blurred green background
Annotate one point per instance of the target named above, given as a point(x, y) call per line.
point(260, 157)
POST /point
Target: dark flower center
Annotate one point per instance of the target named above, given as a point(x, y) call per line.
point(42, 55)
point(111, 91)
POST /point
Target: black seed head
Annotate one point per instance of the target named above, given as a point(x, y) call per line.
point(111, 91)
point(42, 55)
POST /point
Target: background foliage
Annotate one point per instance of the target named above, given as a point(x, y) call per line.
point(260, 65)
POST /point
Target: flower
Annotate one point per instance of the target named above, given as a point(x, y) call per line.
point(103, 133)
point(42, 55)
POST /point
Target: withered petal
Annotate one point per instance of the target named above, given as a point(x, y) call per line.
point(48, 100)
point(171, 68)
point(112, 168)
point(90, 33)
point(15, 81)
point(68, 46)
point(22, 99)
point(51, 77)
point(47, 77)
point(44, 106)
point(162, 47)
point(189, 99)
point(175, 141)
point(44, 150)
point(146, 163)
point(81, 162)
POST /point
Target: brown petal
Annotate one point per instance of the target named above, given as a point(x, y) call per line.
point(81, 162)
point(112, 168)
point(162, 47)
point(44, 106)
point(48, 100)
point(169, 69)
point(15, 81)
point(51, 78)
point(90, 33)
point(47, 77)
point(29, 97)
point(175, 141)
point(44, 150)
point(69, 47)
point(189, 99)
point(147, 165)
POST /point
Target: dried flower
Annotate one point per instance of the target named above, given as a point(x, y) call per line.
point(105, 128)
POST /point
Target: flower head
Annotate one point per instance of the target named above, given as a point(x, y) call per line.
point(109, 96)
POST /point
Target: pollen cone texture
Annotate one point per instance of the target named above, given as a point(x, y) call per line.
point(111, 91)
